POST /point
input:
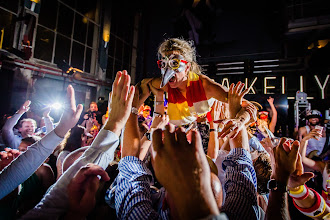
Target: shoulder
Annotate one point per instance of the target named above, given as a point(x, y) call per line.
point(302, 130)
point(44, 171)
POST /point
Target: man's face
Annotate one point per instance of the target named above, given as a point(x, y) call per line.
point(314, 121)
point(146, 113)
point(93, 107)
point(27, 129)
point(23, 146)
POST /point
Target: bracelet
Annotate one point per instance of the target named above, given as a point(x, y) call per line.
point(157, 114)
point(135, 111)
point(159, 102)
point(316, 210)
point(212, 129)
point(299, 194)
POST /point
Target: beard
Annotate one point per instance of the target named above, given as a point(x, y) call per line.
point(314, 123)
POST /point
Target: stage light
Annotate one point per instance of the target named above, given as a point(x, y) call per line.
point(56, 106)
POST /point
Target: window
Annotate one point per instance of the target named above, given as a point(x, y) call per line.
point(62, 49)
point(44, 44)
point(120, 44)
point(7, 28)
point(68, 30)
point(47, 16)
point(65, 20)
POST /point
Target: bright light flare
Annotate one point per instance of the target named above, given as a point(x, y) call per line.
point(56, 106)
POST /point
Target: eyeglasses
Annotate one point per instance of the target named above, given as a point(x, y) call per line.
point(172, 63)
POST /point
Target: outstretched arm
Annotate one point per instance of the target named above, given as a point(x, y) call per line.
point(29, 161)
point(273, 122)
point(7, 130)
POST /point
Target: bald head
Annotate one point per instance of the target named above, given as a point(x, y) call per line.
point(216, 189)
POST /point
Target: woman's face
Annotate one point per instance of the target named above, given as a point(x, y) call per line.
point(180, 75)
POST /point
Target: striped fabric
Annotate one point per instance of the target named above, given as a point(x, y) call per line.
point(240, 186)
point(184, 110)
point(133, 198)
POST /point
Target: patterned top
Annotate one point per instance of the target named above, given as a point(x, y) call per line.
point(184, 110)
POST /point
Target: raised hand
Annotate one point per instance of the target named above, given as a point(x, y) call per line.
point(7, 156)
point(270, 100)
point(182, 168)
point(286, 160)
point(70, 115)
point(82, 189)
point(120, 104)
point(25, 107)
point(235, 97)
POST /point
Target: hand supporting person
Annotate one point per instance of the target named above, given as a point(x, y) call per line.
point(158, 122)
point(182, 168)
point(237, 121)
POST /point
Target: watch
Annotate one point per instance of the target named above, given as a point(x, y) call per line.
point(148, 135)
point(274, 185)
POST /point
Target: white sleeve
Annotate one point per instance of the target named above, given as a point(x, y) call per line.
point(27, 163)
point(55, 203)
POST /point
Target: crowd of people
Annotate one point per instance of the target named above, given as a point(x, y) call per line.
point(201, 151)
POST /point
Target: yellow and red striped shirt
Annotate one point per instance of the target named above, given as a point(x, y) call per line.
point(184, 110)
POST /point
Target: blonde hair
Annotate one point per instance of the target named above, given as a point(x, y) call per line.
point(185, 48)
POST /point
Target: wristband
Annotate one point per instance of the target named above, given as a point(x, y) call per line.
point(135, 111)
point(299, 194)
point(212, 129)
point(316, 210)
point(159, 102)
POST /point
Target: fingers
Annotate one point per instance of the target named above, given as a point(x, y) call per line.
point(27, 103)
point(246, 91)
point(125, 86)
point(299, 166)
point(226, 130)
point(294, 150)
point(157, 139)
point(79, 111)
point(181, 136)
point(231, 88)
point(90, 170)
point(169, 135)
point(196, 140)
point(71, 97)
point(131, 96)
point(115, 83)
